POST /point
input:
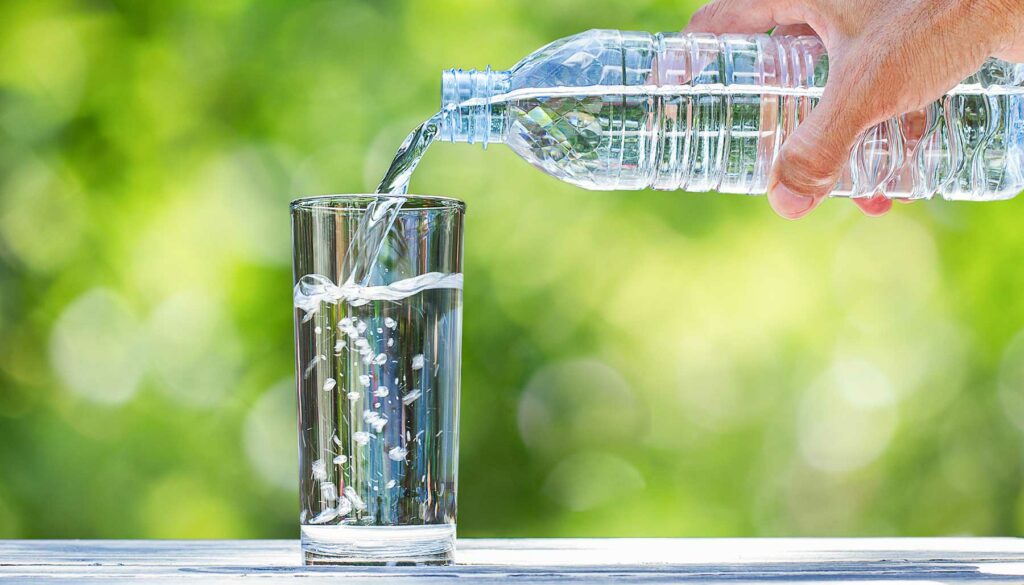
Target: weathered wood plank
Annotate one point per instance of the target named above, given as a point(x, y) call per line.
point(948, 560)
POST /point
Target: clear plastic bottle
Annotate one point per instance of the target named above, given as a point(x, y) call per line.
point(611, 110)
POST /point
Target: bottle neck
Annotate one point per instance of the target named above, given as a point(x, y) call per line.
point(468, 110)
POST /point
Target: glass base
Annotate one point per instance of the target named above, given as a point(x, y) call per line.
point(429, 544)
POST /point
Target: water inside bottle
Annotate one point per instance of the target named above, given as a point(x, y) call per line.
point(726, 137)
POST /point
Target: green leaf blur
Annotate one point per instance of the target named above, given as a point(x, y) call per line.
point(657, 364)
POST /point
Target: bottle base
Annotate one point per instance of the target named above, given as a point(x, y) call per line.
point(430, 544)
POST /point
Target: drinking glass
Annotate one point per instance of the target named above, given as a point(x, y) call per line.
point(378, 327)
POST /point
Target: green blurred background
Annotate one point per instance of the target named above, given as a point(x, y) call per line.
point(659, 364)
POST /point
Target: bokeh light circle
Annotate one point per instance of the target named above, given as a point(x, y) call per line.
point(1011, 380)
point(194, 348)
point(579, 403)
point(268, 436)
point(95, 348)
point(591, 479)
point(847, 417)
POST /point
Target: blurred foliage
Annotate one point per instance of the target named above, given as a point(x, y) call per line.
point(659, 364)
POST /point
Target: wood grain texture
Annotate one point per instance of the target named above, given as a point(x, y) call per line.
point(930, 560)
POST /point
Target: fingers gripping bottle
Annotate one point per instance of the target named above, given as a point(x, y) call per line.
point(612, 110)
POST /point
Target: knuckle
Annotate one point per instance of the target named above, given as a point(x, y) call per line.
point(867, 91)
point(702, 13)
point(710, 12)
point(716, 10)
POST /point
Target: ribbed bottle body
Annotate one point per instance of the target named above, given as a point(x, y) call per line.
point(613, 110)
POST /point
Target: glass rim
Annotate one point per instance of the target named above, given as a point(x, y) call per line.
point(359, 201)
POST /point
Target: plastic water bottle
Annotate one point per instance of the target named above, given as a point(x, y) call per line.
point(611, 110)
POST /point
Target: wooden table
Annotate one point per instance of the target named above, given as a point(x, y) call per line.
point(926, 560)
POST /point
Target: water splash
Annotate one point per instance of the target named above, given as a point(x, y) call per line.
point(371, 232)
point(314, 289)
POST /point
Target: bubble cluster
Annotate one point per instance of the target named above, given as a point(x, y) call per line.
point(319, 470)
point(365, 383)
point(353, 497)
point(375, 420)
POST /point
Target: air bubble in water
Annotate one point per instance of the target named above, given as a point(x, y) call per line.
point(329, 384)
point(390, 323)
point(328, 491)
point(327, 515)
point(397, 454)
point(380, 330)
point(381, 391)
point(353, 497)
point(344, 506)
point(340, 460)
point(346, 327)
point(411, 397)
point(361, 437)
point(361, 343)
point(309, 368)
point(319, 469)
point(375, 420)
point(367, 357)
point(391, 342)
point(361, 327)
point(417, 361)
point(381, 359)
point(318, 330)
point(391, 484)
point(339, 345)
point(353, 396)
point(364, 380)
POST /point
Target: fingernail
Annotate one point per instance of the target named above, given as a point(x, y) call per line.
point(789, 204)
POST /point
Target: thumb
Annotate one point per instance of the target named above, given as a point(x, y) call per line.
point(815, 154)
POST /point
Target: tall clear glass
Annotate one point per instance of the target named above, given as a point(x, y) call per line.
point(378, 329)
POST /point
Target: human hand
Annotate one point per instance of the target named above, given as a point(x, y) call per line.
point(886, 58)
